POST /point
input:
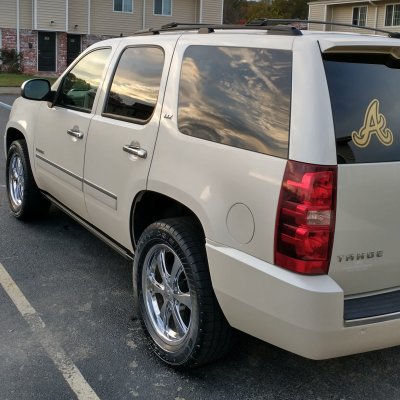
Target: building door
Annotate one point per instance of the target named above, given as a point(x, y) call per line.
point(47, 51)
point(73, 47)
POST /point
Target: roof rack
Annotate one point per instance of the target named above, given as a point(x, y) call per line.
point(275, 29)
point(273, 26)
point(268, 22)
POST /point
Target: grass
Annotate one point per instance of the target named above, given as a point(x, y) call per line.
point(16, 80)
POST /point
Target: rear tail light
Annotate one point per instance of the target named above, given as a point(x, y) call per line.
point(306, 218)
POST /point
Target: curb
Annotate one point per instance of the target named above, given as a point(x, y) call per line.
point(10, 90)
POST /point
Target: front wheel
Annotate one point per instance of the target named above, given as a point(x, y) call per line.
point(174, 297)
point(24, 197)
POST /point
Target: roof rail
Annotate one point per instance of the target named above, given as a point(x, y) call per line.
point(210, 28)
point(269, 22)
point(273, 26)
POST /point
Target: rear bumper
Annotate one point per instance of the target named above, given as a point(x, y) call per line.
point(302, 314)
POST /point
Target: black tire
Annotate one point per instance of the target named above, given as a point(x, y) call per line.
point(24, 197)
point(208, 335)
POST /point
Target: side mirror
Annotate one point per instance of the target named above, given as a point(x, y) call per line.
point(36, 89)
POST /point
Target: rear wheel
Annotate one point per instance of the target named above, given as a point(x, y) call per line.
point(24, 197)
point(174, 297)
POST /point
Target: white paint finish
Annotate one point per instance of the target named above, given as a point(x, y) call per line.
point(302, 314)
point(367, 221)
point(89, 17)
point(15, 294)
point(240, 223)
point(144, 14)
point(23, 118)
point(209, 181)
point(18, 27)
point(312, 136)
point(62, 361)
point(111, 168)
point(63, 150)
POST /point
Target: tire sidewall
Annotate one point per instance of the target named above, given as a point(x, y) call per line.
point(16, 148)
point(172, 354)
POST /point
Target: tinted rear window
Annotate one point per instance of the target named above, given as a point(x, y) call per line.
point(237, 97)
point(364, 91)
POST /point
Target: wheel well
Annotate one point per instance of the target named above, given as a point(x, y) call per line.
point(150, 207)
point(12, 135)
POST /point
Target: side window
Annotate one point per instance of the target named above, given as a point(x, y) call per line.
point(134, 90)
point(237, 96)
point(80, 85)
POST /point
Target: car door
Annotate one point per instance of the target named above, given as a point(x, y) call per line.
point(61, 131)
point(123, 133)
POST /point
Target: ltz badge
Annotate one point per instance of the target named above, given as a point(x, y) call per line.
point(374, 124)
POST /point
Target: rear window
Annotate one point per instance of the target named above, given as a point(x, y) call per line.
point(237, 96)
point(364, 91)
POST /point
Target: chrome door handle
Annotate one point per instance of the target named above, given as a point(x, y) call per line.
point(75, 133)
point(135, 150)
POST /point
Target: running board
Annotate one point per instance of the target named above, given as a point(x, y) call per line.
point(102, 236)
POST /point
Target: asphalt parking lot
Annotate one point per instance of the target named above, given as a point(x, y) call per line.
point(67, 331)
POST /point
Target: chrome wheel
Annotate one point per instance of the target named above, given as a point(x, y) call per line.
point(16, 180)
point(166, 293)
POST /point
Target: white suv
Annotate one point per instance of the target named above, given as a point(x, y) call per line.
point(252, 174)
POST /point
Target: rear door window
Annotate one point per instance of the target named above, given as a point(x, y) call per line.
point(364, 91)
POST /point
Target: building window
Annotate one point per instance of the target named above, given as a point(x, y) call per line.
point(392, 16)
point(360, 16)
point(162, 7)
point(125, 6)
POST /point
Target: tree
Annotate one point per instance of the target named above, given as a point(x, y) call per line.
point(286, 9)
point(289, 9)
point(234, 11)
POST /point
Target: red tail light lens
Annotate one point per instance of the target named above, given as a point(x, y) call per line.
point(306, 218)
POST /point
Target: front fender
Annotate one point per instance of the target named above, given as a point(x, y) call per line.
point(23, 118)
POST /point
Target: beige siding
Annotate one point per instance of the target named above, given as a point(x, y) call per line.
point(104, 21)
point(182, 11)
point(316, 12)
point(78, 15)
point(381, 16)
point(212, 12)
point(25, 14)
point(51, 10)
point(343, 14)
point(8, 14)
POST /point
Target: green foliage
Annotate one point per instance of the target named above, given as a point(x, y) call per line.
point(236, 11)
point(289, 9)
point(11, 61)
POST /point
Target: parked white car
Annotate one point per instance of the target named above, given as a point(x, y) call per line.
point(252, 174)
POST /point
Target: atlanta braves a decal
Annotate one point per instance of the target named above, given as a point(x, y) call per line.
point(374, 124)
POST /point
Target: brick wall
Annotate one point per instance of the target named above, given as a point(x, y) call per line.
point(61, 43)
point(9, 38)
point(88, 40)
point(28, 47)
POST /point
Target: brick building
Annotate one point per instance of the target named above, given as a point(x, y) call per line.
point(51, 33)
